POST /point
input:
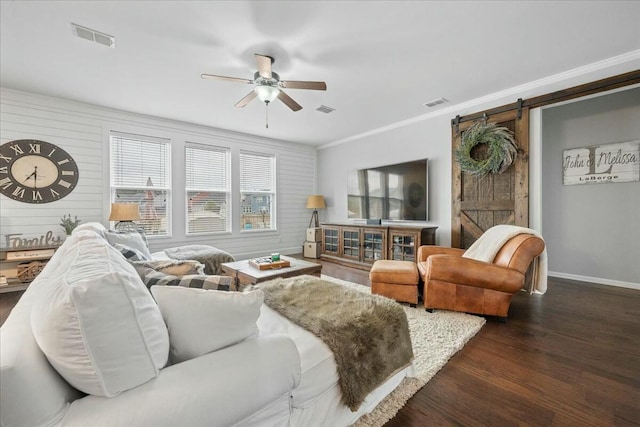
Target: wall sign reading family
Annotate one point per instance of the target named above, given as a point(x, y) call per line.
point(617, 162)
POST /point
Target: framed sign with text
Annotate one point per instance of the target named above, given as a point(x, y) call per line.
point(597, 164)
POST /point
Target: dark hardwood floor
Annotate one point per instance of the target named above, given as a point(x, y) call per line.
point(7, 301)
point(570, 357)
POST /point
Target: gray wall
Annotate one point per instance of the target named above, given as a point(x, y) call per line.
point(591, 230)
point(83, 131)
point(426, 139)
point(613, 238)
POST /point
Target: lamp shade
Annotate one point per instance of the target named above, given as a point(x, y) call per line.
point(316, 201)
point(124, 212)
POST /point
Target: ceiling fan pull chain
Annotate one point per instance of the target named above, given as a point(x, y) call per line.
point(267, 116)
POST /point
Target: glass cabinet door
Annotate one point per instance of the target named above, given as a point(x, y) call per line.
point(373, 245)
point(403, 246)
point(330, 238)
point(351, 243)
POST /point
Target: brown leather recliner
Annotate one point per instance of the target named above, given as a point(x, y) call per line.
point(452, 282)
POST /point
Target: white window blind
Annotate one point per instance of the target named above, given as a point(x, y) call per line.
point(141, 174)
point(208, 188)
point(257, 191)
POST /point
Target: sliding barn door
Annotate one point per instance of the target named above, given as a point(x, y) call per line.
point(480, 203)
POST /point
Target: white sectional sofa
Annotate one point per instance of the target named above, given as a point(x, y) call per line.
point(87, 345)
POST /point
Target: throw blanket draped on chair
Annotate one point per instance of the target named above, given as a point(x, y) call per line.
point(489, 244)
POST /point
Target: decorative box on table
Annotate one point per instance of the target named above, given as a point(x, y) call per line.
point(267, 263)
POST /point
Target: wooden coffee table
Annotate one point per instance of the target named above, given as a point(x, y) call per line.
point(244, 274)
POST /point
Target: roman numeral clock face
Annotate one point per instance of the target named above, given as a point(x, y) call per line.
point(34, 171)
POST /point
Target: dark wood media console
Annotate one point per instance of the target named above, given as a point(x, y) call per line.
point(360, 245)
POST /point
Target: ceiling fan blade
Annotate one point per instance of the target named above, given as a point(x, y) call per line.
point(288, 101)
point(290, 84)
point(264, 65)
point(230, 79)
point(247, 99)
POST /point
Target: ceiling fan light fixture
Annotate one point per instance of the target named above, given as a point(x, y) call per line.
point(267, 93)
point(267, 85)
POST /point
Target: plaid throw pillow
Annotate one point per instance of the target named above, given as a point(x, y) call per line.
point(130, 254)
point(133, 240)
point(220, 283)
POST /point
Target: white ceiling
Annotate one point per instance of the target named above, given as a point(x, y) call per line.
point(381, 60)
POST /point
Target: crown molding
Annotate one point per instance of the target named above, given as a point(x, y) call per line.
point(616, 61)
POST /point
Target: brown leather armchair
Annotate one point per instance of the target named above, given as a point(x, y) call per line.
point(452, 282)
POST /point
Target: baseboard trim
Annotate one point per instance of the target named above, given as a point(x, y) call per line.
point(597, 280)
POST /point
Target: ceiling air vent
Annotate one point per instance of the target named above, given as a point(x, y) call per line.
point(435, 102)
point(93, 35)
point(325, 109)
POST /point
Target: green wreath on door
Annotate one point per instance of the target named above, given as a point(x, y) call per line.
point(501, 153)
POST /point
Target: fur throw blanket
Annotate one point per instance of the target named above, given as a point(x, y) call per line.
point(368, 334)
point(208, 255)
point(489, 244)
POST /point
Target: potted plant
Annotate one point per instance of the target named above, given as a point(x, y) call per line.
point(69, 224)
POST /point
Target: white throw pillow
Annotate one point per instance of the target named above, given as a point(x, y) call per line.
point(201, 321)
point(97, 323)
point(132, 240)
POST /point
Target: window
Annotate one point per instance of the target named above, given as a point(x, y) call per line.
point(257, 191)
point(141, 173)
point(208, 188)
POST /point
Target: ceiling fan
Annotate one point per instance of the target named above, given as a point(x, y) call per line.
point(268, 85)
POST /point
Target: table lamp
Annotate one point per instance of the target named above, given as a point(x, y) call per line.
point(125, 214)
point(315, 202)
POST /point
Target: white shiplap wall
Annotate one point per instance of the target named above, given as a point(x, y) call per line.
point(83, 131)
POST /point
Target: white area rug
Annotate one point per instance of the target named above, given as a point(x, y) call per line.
point(435, 338)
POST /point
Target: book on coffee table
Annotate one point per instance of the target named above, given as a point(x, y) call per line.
point(265, 263)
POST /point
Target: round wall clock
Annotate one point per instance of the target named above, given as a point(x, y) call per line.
point(33, 171)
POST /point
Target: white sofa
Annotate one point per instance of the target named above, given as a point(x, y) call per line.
point(284, 376)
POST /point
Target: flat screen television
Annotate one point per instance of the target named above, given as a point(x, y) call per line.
point(393, 192)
